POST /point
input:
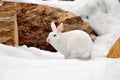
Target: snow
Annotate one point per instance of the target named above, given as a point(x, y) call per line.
point(29, 53)
point(30, 63)
point(44, 65)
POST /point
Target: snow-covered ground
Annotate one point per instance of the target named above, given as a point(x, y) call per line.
point(23, 63)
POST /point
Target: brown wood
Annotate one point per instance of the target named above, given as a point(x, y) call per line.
point(8, 26)
point(115, 50)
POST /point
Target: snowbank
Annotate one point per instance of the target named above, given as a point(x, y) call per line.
point(29, 53)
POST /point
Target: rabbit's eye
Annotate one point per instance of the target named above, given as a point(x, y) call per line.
point(87, 17)
point(54, 35)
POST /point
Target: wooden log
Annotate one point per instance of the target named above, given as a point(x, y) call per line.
point(8, 26)
point(115, 50)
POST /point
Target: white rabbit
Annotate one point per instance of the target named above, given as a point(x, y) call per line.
point(72, 44)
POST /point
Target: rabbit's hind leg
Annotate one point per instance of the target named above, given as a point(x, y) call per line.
point(85, 56)
point(74, 54)
point(82, 55)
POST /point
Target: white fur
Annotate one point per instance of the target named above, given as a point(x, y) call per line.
point(72, 44)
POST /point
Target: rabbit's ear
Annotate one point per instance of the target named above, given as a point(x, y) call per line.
point(53, 26)
point(60, 28)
